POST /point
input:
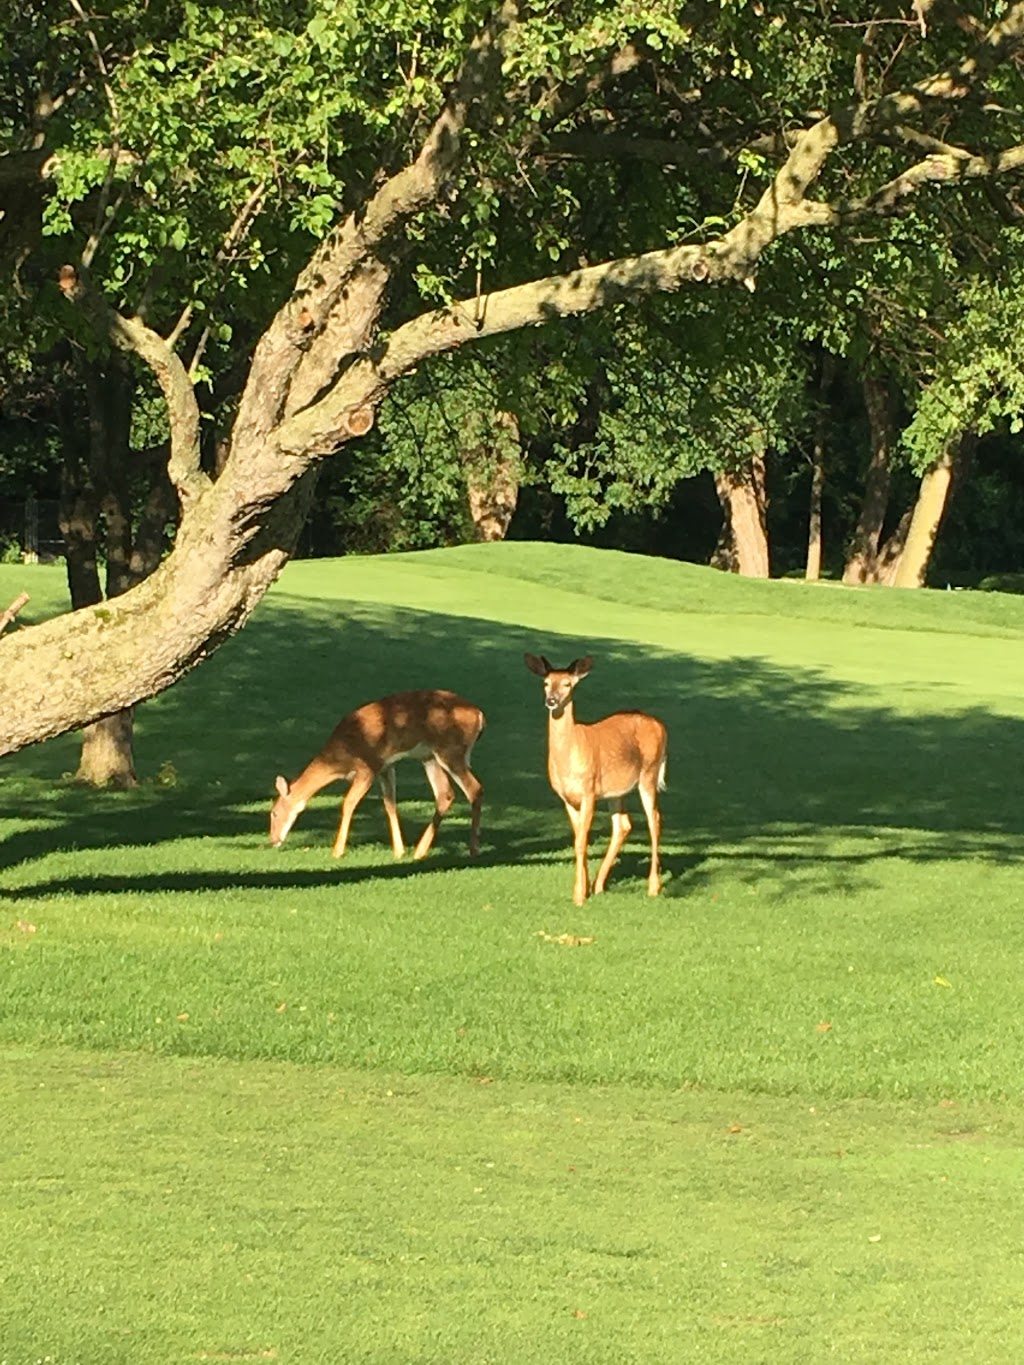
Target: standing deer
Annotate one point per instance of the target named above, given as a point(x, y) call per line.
point(438, 728)
point(603, 760)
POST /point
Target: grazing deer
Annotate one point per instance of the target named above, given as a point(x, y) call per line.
point(438, 728)
point(603, 760)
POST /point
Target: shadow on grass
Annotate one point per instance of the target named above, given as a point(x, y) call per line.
point(759, 756)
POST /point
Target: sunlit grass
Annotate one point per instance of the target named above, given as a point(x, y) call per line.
point(838, 943)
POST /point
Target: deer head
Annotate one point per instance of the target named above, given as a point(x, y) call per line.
point(559, 683)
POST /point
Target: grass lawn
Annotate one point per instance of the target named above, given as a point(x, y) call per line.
point(261, 1105)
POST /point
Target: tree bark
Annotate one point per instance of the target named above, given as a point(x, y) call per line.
point(812, 571)
point(743, 543)
point(862, 561)
point(891, 553)
point(492, 485)
point(929, 510)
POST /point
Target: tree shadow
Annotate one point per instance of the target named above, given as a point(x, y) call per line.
point(762, 760)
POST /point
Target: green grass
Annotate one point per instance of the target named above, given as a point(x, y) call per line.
point(249, 1211)
point(833, 968)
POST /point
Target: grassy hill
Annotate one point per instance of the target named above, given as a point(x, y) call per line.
point(830, 974)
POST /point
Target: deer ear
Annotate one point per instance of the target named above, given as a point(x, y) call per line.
point(282, 787)
point(539, 666)
point(579, 668)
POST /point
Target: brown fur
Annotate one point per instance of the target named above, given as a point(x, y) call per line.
point(437, 727)
point(602, 760)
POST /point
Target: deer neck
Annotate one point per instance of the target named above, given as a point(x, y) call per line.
point(316, 774)
point(561, 736)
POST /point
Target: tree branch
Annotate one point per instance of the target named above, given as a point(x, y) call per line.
point(236, 233)
point(6, 617)
point(949, 168)
point(782, 208)
point(132, 334)
point(338, 295)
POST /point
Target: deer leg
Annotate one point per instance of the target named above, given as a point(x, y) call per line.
point(472, 789)
point(581, 821)
point(386, 778)
point(621, 825)
point(649, 798)
point(361, 784)
point(444, 798)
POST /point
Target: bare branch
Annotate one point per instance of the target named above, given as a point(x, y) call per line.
point(103, 219)
point(950, 168)
point(101, 65)
point(234, 236)
point(565, 98)
point(661, 151)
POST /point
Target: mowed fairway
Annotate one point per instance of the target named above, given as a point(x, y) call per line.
point(259, 1105)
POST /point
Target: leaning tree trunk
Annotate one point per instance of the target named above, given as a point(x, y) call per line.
point(743, 543)
point(862, 561)
point(929, 510)
point(891, 553)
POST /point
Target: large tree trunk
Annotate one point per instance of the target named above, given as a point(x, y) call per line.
point(743, 542)
point(930, 508)
point(862, 561)
point(102, 659)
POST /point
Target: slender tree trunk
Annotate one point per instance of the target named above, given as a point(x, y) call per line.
point(743, 542)
point(930, 508)
point(107, 754)
point(862, 562)
point(812, 572)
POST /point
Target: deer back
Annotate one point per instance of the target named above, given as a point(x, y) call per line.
point(613, 753)
point(419, 722)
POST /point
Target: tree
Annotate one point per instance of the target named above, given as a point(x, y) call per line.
point(347, 331)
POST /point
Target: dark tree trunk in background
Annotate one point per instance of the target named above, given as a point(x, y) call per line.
point(862, 561)
point(97, 502)
point(812, 571)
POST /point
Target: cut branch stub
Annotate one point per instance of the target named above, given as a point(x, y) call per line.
point(358, 421)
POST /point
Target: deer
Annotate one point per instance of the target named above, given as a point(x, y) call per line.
point(602, 760)
point(436, 727)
